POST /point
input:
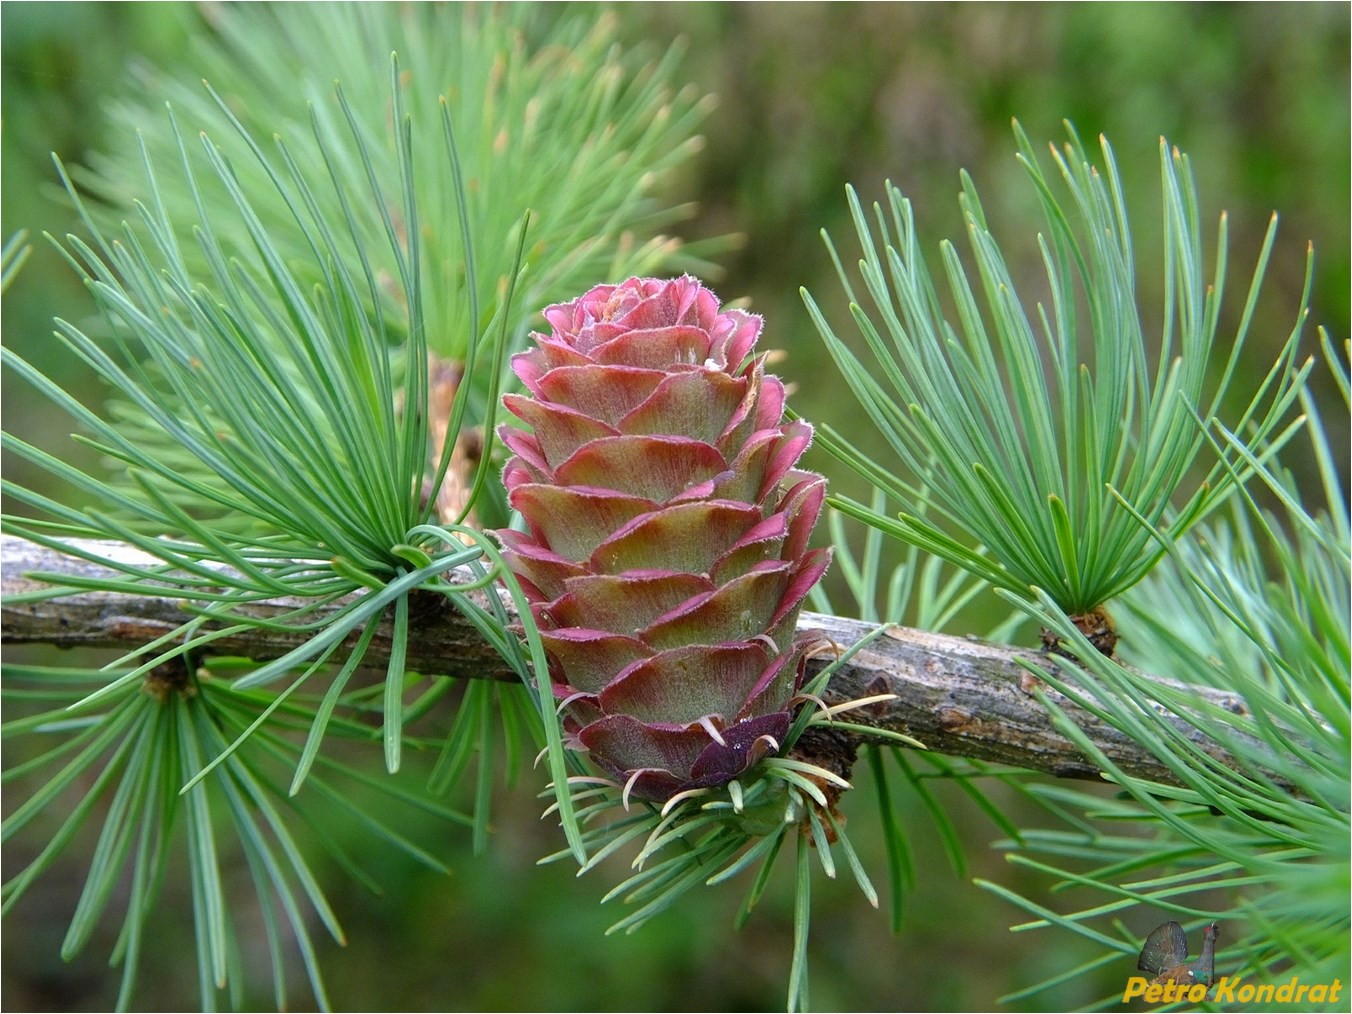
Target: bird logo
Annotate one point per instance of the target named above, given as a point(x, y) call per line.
point(1165, 956)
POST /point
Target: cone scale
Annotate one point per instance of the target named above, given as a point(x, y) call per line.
point(666, 553)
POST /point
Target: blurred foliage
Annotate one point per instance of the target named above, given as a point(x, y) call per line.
point(1256, 94)
point(811, 96)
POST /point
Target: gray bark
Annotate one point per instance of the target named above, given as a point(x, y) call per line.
point(958, 696)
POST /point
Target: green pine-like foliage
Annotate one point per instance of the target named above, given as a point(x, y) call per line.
point(286, 266)
point(277, 283)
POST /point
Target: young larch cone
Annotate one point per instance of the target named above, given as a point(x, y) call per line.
point(666, 557)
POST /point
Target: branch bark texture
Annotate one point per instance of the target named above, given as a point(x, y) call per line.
point(958, 696)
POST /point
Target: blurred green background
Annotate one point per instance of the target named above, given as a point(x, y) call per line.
point(811, 96)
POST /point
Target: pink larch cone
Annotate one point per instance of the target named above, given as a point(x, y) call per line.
point(666, 559)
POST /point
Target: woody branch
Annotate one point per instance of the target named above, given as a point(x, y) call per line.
point(958, 696)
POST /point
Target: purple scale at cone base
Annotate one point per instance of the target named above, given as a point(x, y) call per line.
point(666, 553)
